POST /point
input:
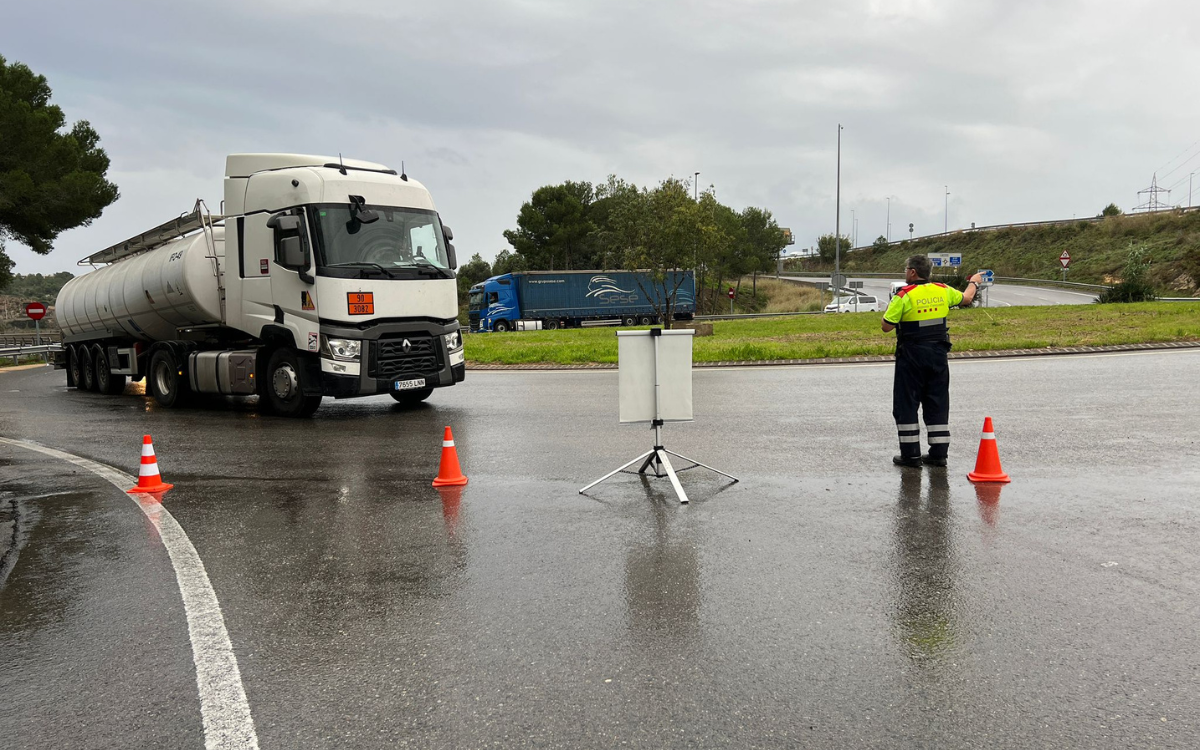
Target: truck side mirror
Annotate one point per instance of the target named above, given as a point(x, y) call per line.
point(451, 256)
point(284, 223)
point(447, 232)
point(291, 253)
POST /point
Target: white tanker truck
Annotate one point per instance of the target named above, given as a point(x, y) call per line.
point(324, 277)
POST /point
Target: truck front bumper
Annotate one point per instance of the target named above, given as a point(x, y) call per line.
point(392, 352)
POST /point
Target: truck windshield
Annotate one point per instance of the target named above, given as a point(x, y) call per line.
point(402, 243)
point(475, 299)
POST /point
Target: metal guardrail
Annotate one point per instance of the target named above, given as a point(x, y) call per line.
point(1011, 279)
point(30, 338)
point(740, 316)
point(17, 352)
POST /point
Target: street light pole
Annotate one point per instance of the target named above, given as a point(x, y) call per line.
point(888, 231)
point(946, 224)
point(837, 220)
point(1190, 190)
point(853, 229)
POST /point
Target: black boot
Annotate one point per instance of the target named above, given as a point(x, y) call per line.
point(911, 461)
point(929, 460)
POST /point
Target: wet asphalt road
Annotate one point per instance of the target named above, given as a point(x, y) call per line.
point(827, 600)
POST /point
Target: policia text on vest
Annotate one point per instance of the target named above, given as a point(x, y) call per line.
point(918, 315)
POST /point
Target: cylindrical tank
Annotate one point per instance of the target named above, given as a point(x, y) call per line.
point(147, 296)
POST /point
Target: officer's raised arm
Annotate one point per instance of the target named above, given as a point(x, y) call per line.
point(969, 292)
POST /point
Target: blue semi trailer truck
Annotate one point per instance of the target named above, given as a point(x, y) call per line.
point(568, 299)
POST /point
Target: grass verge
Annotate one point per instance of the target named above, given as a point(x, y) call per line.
point(856, 334)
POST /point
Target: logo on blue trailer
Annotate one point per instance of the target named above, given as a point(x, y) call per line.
point(607, 292)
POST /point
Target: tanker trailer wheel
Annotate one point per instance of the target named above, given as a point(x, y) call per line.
point(106, 382)
point(165, 382)
point(86, 367)
point(74, 367)
point(285, 386)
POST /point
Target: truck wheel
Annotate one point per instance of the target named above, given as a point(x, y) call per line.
point(74, 368)
point(411, 398)
point(168, 387)
point(550, 325)
point(106, 382)
point(87, 369)
point(285, 386)
point(501, 326)
point(628, 320)
point(646, 320)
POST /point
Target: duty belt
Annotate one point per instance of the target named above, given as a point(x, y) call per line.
point(933, 329)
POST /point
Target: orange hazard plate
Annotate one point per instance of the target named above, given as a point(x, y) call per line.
point(361, 303)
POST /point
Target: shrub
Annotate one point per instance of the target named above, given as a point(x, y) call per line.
point(1134, 286)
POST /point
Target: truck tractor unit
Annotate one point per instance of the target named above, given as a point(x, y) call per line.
point(323, 277)
point(570, 299)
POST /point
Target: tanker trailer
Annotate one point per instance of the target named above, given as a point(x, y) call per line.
point(325, 277)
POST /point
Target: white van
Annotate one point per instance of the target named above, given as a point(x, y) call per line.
point(855, 303)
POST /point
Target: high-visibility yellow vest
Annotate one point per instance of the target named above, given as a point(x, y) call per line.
point(919, 310)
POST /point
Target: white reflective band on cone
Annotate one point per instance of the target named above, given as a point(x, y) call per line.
point(148, 470)
point(447, 443)
point(147, 450)
point(988, 436)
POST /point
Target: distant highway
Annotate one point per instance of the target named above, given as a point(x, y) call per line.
point(1000, 295)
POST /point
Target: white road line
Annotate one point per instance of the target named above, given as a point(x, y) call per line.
point(223, 705)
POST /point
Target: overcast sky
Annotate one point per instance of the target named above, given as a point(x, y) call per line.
point(1027, 111)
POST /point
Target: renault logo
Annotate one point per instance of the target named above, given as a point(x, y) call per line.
point(406, 346)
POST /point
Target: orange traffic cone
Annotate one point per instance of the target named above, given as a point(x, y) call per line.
point(987, 464)
point(149, 480)
point(449, 472)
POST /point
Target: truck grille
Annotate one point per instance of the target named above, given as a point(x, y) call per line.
point(389, 361)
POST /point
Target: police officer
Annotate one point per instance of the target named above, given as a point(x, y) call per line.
point(918, 315)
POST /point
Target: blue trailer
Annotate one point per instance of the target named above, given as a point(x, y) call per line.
point(568, 299)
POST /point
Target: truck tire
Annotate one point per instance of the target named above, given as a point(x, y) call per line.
point(502, 326)
point(74, 368)
point(646, 320)
point(550, 325)
point(411, 398)
point(628, 321)
point(164, 381)
point(106, 382)
point(87, 369)
point(285, 386)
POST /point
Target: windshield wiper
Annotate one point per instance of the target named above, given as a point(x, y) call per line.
point(363, 271)
point(423, 267)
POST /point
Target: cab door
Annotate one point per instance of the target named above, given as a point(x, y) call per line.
point(293, 285)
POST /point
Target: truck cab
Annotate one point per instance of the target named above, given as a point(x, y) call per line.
point(492, 304)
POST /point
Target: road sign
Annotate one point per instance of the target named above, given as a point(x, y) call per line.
point(1065, 259)
point(35, 310)
point(731, 293)
point(955, 260)
point(838, 280)
point(856, 285)
point(989, 277)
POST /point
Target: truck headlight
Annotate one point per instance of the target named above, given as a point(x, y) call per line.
point(453, 341)
point(347, 350)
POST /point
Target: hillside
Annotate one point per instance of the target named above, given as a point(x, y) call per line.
point(1099, 250)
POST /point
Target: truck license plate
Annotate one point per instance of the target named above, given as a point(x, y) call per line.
point(406, 385)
